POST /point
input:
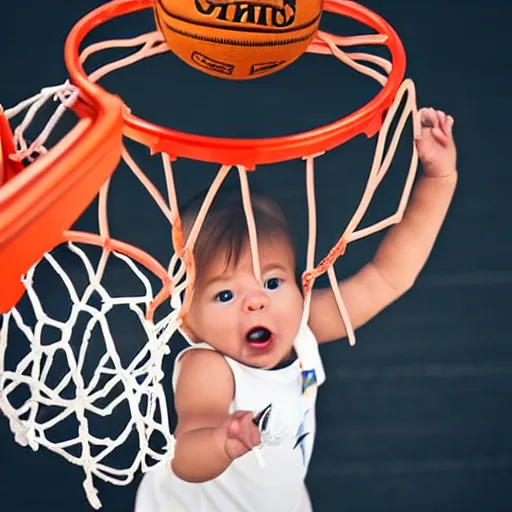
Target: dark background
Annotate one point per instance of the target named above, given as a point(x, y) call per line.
point(417, 416)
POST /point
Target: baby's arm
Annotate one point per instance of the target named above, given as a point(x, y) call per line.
point(406, 247)
point(208, 439)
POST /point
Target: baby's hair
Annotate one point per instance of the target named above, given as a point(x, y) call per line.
point(225, 226)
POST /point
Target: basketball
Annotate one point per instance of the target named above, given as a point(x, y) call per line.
point(238, 39)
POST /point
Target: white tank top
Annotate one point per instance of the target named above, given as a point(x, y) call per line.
point(287, 443)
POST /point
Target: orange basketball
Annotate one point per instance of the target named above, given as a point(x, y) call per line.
point(238, 39)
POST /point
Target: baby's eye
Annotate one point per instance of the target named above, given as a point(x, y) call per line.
point(224, 296)
point(272, 283)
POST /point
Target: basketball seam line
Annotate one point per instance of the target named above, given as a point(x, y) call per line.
point(234, 42)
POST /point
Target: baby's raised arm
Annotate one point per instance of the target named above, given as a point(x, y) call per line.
point(405, 249)
point(208, 438)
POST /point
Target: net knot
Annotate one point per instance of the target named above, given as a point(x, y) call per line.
point(309, 277)
point(24, 436)
point(107, 244)
point(65, 93)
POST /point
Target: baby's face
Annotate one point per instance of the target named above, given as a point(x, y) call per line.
point(252, 323)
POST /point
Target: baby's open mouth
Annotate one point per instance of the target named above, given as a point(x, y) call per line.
point(259, 337)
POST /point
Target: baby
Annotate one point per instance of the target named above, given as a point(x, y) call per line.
point(241, 386)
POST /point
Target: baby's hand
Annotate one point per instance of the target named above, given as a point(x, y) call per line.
point(240, 434)
point(436, 147)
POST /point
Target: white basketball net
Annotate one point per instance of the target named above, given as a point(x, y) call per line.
point(137, 382)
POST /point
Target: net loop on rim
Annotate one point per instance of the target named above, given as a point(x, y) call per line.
point(65, 94)
point(135, 382)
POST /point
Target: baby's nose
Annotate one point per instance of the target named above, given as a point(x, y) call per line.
point(256, 302)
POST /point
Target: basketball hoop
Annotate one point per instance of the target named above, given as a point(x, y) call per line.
point(40, 202)
point(251, 152)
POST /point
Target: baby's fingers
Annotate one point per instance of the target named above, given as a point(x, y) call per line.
point(424, 118)
point(444, 121)
point(428, 118)
point(448, 125)
point(443, 134)
point(439, 136)
point(441, 116)
point(242, 428)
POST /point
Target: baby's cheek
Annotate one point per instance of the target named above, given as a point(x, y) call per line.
point(293, 308)
point(298, 299)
